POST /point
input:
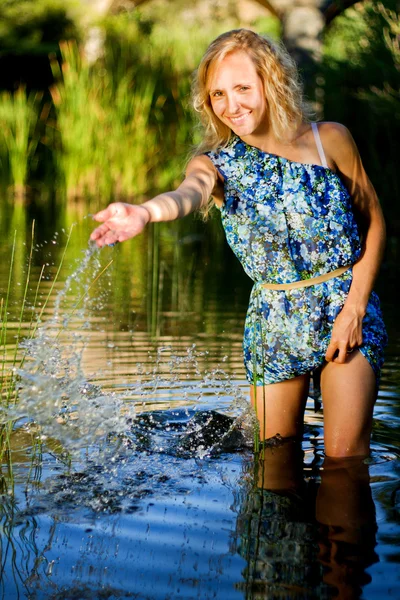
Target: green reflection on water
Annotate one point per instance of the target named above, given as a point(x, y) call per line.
point(172, 287)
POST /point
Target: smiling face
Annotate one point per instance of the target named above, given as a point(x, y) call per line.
point(237, 95)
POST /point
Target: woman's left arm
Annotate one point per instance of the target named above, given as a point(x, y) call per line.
point(342, 150)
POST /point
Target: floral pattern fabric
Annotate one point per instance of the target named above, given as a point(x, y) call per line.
point(288, 221)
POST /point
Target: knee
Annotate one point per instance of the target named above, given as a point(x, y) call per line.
point(344, 450)
point(344, 442)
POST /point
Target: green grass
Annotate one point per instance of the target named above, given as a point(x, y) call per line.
point(19, 137)
point(12, 357)
point(106, 144)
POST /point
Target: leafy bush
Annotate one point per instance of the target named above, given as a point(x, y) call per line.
point(29, 31)
point(361, 75)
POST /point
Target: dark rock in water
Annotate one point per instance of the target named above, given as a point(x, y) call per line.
point(154, 431)
point(209, 432)
point(187, 433)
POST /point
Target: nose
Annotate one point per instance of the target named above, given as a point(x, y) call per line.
point(232, 104)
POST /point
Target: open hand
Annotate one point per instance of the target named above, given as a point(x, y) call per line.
point(120, 221)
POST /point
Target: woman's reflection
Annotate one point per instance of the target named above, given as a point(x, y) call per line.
point(302, 539)
point(345, 513)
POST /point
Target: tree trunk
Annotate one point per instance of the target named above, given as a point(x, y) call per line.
point(302, 21)
point(94, 39)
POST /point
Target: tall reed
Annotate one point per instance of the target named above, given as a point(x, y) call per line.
point(107, 145)
point(19, 135)
point(12, 356)
point(382, 102)
point(77, 115)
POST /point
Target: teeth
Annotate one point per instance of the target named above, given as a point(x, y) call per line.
point(241, 118)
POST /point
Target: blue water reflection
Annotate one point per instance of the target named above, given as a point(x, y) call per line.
point(174, 503)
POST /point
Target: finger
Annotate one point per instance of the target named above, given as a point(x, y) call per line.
point(110, 238)
point(100, 242)
point(341, 356)
point(331, 352)
point(124, 235)
point(99, 232)
point(106, 240)
point(350, 351)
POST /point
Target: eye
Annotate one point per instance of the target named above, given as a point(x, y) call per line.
point(244, 88)
point(216, 94)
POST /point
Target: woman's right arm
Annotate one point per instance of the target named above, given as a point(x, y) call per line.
point(121, 221)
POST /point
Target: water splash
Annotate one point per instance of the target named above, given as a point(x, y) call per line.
point(54, 392)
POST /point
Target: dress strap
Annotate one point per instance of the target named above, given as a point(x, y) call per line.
point(318, 142)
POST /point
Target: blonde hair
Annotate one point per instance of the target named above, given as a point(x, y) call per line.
point(278, 72)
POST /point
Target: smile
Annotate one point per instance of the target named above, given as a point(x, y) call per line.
point(240, 118)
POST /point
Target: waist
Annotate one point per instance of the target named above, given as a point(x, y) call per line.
point(305, 282)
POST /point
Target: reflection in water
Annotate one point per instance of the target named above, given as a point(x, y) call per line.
point(345, 512)
point(151, 519)
point(302, 540)
point(147, 513)
point(70, 535)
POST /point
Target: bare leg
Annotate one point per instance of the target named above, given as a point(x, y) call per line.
point(280, 407)
point(348, 394)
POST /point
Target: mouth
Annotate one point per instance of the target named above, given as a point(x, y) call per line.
point(239, 119)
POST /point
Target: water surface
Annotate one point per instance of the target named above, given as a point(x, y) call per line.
point(129, 470)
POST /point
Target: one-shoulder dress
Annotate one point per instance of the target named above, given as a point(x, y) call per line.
point(288, 221)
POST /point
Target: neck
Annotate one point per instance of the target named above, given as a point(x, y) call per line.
point(268, 142)
point(262, 138)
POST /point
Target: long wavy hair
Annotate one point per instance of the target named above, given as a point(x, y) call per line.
point(286, 106)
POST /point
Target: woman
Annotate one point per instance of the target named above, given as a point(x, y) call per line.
point(289, 194)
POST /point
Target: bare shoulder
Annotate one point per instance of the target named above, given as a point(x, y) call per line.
point(335, 132)
point(337, 141)
point(201, 163)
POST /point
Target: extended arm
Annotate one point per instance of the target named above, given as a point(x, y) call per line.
point(347, 331)
point(121, 221)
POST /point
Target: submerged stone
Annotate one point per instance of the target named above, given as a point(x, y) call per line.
point(186, 433)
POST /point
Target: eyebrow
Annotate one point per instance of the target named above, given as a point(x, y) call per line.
point(237, 85)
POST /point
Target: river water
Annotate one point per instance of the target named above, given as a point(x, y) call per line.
point(128, 465)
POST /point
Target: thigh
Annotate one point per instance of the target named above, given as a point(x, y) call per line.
point(348, 396)
point(280, 407)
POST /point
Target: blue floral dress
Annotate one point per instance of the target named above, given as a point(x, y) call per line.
point(287, 221)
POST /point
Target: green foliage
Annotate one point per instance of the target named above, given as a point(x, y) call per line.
point(361, 74)
point(270, 26)
point(34, 26)
point(134, 49)
point(121, 126)
point(19, 136)
point(102, 125)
